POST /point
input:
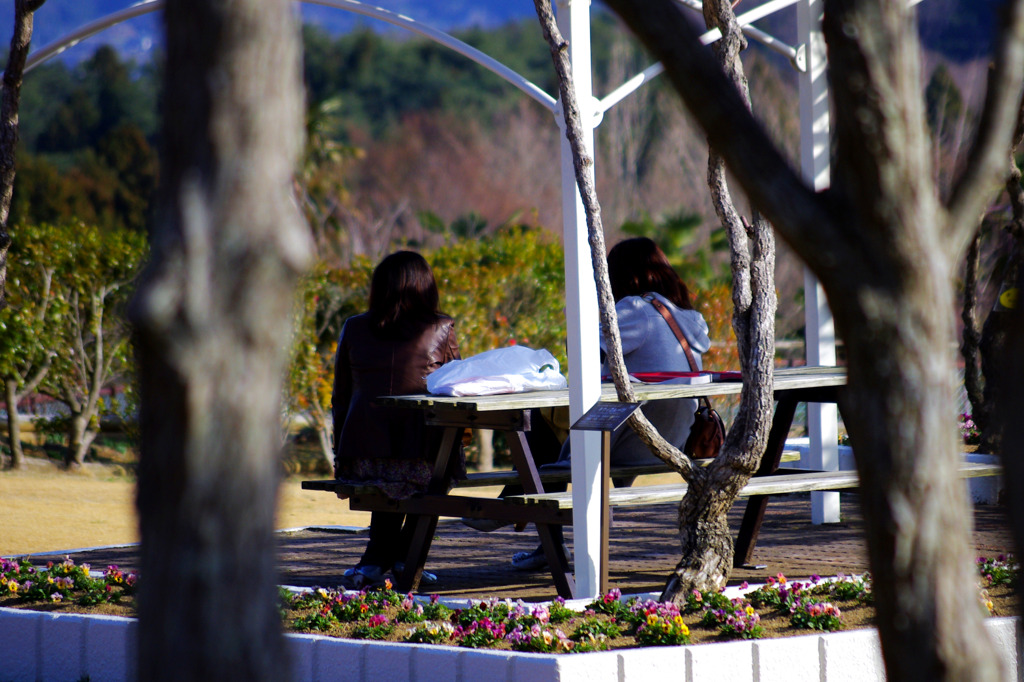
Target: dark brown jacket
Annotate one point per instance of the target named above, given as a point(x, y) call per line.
point(368, 366)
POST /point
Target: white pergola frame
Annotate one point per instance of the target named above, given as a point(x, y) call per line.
point(808, 57)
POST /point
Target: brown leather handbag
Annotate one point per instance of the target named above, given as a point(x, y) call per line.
point(708, 430)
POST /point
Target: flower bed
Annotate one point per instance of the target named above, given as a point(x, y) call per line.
point(413, 638)
point(60, 647)
point(779, 608)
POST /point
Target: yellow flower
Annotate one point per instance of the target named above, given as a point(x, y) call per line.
point(749, 610)
point(13, 586)
point(387, 583)
point(652, 619)
point(547, 638)
point(678, 620)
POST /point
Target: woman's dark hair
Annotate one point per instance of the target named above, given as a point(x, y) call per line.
point(403, 294)
point(637, 266)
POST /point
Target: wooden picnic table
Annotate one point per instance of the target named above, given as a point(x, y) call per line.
point(510, 413)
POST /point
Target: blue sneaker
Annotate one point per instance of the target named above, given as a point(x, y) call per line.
point(364, 576)
point(535, 560)
point(426, 577)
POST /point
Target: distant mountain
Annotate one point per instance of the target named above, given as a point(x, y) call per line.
point(135, 38)
point(961, 30)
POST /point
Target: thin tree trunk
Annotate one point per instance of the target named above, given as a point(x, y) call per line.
point(10, 99)
point(212, 327)
point(14, 424)
point(707, 546)
point(485, 441)
point(80, 438)
point(324, 434)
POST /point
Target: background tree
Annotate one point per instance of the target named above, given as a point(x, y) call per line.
point(10, 97)
point(212, 317)
point(92, 337)
point(327, 296)
point(29, 325)
point(883, 245)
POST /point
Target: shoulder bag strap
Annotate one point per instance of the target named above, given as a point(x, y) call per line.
point(660, 307)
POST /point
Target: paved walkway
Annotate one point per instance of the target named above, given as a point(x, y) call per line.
point(644, 550)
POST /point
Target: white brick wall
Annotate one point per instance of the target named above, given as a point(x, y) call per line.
point(65, 652)
point(44, 647)
point(852, 656)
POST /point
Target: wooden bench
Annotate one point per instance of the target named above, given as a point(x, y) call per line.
point(783, 482)
point(556, 508)
point(503, 477)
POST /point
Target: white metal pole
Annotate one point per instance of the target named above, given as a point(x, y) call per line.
point(581, 314)
point(822, 418)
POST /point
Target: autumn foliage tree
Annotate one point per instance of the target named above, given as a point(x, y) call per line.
point(91, 348)
point(30, 324)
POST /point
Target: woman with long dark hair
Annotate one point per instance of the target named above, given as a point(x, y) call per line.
point(390, 350)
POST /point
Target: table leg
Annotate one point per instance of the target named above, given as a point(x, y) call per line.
point(565, 582)
point(419, 547)
point(753, 515)
point(606, 510)
point(425, 525)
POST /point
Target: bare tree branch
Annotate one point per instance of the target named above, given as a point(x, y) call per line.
point(583, 165)
point(799, 214)
point(10, 97)
point(985, 166)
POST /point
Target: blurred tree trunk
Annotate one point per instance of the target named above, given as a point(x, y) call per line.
point(212, 320)
point(12, 398)
point(1008, 412)
point(883, 246)
point(987, 345)
point(10, 98)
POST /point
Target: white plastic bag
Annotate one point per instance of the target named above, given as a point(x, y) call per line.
point(512, 369)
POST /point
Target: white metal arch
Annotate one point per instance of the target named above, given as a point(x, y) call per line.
point(148, 6)
point(794, 54)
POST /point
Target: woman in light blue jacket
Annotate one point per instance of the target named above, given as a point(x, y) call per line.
point(639, 272)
